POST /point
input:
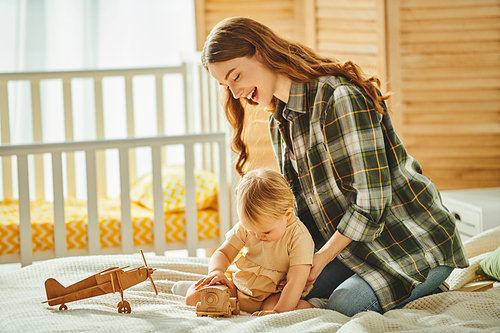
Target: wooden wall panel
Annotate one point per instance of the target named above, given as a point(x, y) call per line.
point(440, 60)
point(286, 17)
point(353, 30)
point(446, 74)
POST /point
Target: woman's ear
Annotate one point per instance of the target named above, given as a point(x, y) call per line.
point(257, 55)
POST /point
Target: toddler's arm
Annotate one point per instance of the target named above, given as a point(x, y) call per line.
point(219, 262)
point(296, 280)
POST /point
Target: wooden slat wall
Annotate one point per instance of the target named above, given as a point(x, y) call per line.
point(446, 75)
point(353, 30)
point(285, 17)
point(440, 59)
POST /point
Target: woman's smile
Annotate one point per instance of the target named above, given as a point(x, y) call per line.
point(253, 95)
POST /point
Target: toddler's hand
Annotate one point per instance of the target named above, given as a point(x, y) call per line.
point(213, 278)
point(263, 313)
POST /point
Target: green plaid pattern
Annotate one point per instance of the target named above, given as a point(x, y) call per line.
point(354, 175)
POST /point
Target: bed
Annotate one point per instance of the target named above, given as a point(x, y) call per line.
point(23, 293)
point(191, 196)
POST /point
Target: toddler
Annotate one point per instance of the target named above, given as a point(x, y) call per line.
point(274, 245)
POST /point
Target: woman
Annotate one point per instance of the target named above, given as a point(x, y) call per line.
point(382, 235)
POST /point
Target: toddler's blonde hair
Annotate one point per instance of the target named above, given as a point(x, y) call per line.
point(263, 194)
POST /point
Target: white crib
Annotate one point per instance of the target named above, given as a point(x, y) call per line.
point(205, 147)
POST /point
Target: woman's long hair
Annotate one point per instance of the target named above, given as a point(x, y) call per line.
point(240, 37)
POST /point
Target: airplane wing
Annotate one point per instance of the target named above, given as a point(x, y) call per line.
point(66, 295)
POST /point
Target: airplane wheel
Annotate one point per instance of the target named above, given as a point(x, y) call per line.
point(124, 307)
point(63, 307)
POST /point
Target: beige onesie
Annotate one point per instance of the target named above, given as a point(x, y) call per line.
point(264, 264)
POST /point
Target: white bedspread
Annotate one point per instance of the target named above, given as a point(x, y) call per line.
point(22, 291)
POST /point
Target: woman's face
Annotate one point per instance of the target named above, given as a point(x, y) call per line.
point(247, 77)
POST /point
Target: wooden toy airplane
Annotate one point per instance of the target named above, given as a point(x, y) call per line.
point(111, 280)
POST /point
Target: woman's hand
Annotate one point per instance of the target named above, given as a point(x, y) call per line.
point(281, 285)
point(212, 278)
point(319, 262)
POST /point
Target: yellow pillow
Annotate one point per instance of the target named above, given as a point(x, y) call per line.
point(173, 186)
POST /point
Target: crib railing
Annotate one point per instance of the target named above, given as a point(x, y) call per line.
point(198, 88)
point(91, 148)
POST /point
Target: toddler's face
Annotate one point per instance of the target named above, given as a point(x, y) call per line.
point(274, 230)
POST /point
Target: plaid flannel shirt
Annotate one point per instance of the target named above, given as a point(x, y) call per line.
point(355, 176)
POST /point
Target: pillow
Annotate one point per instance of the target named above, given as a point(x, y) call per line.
point(173, 187)
point(490, 266)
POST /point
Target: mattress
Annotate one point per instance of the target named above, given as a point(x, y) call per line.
point(109, 223)
point(109, 213)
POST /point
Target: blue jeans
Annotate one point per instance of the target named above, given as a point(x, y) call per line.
point(349, 294)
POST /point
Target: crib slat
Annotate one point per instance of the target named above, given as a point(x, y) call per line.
point(234, 181)
point(99, 130)
point(5, 132)
point(60, 244)
point(188, 99)
point(129, 97)
point(99, 108)
point(223, 193)
point(126, 223)
point(36, 110)
point(214, 104)
point(70, 174)
point(25, 244)
point(7, 177)
point(206, 121)
point(159, 215)
point(222, 123)
point(93, 232)
point(69, 135)
point(160, 119)
point(191, 212)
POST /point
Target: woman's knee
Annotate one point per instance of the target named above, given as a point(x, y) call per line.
point(339, 301)
point(342, 301)
point(334, 274)
point(353, 296)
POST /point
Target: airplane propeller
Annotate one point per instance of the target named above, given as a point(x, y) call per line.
point(149, 274)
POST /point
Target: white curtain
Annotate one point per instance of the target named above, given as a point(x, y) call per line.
point(40, 35)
